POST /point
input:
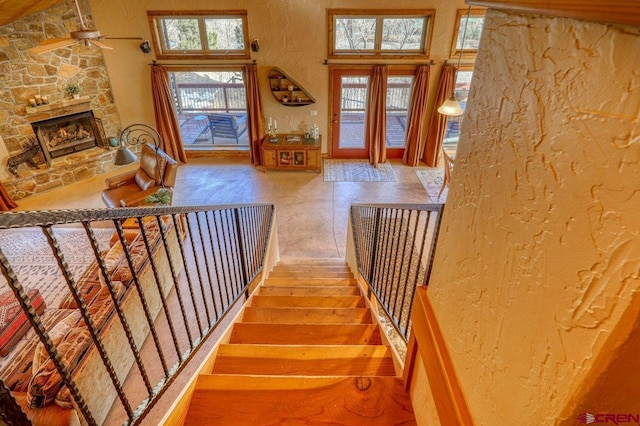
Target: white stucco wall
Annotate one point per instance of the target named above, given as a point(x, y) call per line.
point(540, 250)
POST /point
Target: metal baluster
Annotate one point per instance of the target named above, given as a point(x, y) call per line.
point(197, 265)
point(143, 299)
point(174, 274)
point(116, 303)
point(403, 264)
point(233, 247)
point(215, 264)
point(36, 324)
point(242, 260)
point(222, 283)
point(413, 283)
point(205, 259)
point(73, 288)
point(156, 276)
point(228, 273)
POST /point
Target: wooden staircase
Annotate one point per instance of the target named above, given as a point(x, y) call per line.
point(305, 351)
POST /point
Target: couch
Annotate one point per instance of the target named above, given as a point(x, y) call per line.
point(156, 170)
point(30, 375)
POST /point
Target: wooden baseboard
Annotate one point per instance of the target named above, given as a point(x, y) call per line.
point(427, 346)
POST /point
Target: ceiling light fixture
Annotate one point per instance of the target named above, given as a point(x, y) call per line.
point(451, 107)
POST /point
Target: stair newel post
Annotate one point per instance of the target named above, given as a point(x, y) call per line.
point(241, 252)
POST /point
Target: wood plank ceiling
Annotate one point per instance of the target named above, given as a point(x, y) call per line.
point(12, 10)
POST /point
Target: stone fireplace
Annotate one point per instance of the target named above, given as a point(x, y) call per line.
point(67, 134)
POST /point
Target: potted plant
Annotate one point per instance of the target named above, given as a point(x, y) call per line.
point(73, 90)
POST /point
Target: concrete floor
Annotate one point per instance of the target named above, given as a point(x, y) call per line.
point(312, 215)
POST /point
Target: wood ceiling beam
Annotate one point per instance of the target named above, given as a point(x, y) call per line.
point(609, 12)
point(12, 10)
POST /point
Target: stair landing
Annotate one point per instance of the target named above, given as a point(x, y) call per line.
point(306, 351)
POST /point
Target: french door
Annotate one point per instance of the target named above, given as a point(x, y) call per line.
point(349, 108)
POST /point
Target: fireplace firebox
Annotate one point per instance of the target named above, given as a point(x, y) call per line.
point(67, 134)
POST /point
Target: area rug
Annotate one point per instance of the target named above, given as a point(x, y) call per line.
point(357, 171)
point(35, 265)
point(431, 179)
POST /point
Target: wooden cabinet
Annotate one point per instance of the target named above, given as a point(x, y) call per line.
point(287, 91)
point(291, 152)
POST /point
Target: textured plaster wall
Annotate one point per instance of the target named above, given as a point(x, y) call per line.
point(540, 254)
point(293, 37)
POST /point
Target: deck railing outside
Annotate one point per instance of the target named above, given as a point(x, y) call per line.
point(220, 250)
point(394, 247)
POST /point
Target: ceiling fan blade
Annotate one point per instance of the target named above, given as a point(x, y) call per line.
point(100, 44)
point(122, 38)
point(52, 44)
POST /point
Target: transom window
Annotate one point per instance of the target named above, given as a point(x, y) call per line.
point(472, 37)
point(194, 34)
point(379, 33)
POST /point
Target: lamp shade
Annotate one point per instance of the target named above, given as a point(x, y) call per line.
point(124, 156)
point(451, 107)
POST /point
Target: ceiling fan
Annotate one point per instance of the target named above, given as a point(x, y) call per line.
point(85, 35)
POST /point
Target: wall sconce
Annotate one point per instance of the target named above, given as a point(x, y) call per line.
point(145, 46)
point(255, 45)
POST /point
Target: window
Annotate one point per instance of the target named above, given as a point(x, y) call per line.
point(472, 37)
point(461, 92)
point(210, 35)
point(211, 106)
point(379, 33)
point(398, 100)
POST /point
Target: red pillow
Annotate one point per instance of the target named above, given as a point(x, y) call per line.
point(13, 322)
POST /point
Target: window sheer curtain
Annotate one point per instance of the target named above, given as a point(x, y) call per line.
point(376, 118)
point(166, 118)
point(417, 117)
point(438, 122)
point(255, 114)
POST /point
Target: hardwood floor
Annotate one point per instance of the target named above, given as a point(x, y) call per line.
point(312, 215)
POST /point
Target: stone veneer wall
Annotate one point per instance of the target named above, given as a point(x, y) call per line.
point(24, 74)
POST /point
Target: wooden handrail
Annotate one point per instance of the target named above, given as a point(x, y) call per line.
point(612, 12)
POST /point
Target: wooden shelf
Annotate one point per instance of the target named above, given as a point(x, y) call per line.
point(287, 91)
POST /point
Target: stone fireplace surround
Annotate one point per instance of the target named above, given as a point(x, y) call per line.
point(64, 170)
point(25, 75)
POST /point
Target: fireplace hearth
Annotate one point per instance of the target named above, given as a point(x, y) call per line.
point(67, 134)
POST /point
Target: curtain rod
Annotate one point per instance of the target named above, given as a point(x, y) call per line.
point(431, 62)
point(152, 63)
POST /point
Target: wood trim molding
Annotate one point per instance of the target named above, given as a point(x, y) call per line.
point(612, 12)
point(450, 402)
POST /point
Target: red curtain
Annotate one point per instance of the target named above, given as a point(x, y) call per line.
point(255, 115)
point(166, 119)
point(438, 122)
point(417, 117)
point(6, 203)
point(376, 118)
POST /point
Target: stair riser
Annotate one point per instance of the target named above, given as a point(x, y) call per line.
point(309, 291)
point(285, 334)
point(308, 301)
point(307, 316)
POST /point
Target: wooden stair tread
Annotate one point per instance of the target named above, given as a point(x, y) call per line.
point(307, 315)
point(308, 301)
point(238, 399)
point(305, 274)
point(309, 290)
point(310, 281)
point(308, 360)
point(306, 334)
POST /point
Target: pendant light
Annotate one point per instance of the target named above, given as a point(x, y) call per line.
point(451, 107)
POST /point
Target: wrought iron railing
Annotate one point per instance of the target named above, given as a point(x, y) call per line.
point(187, 266)
point(211, 97)
point(394, 247)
